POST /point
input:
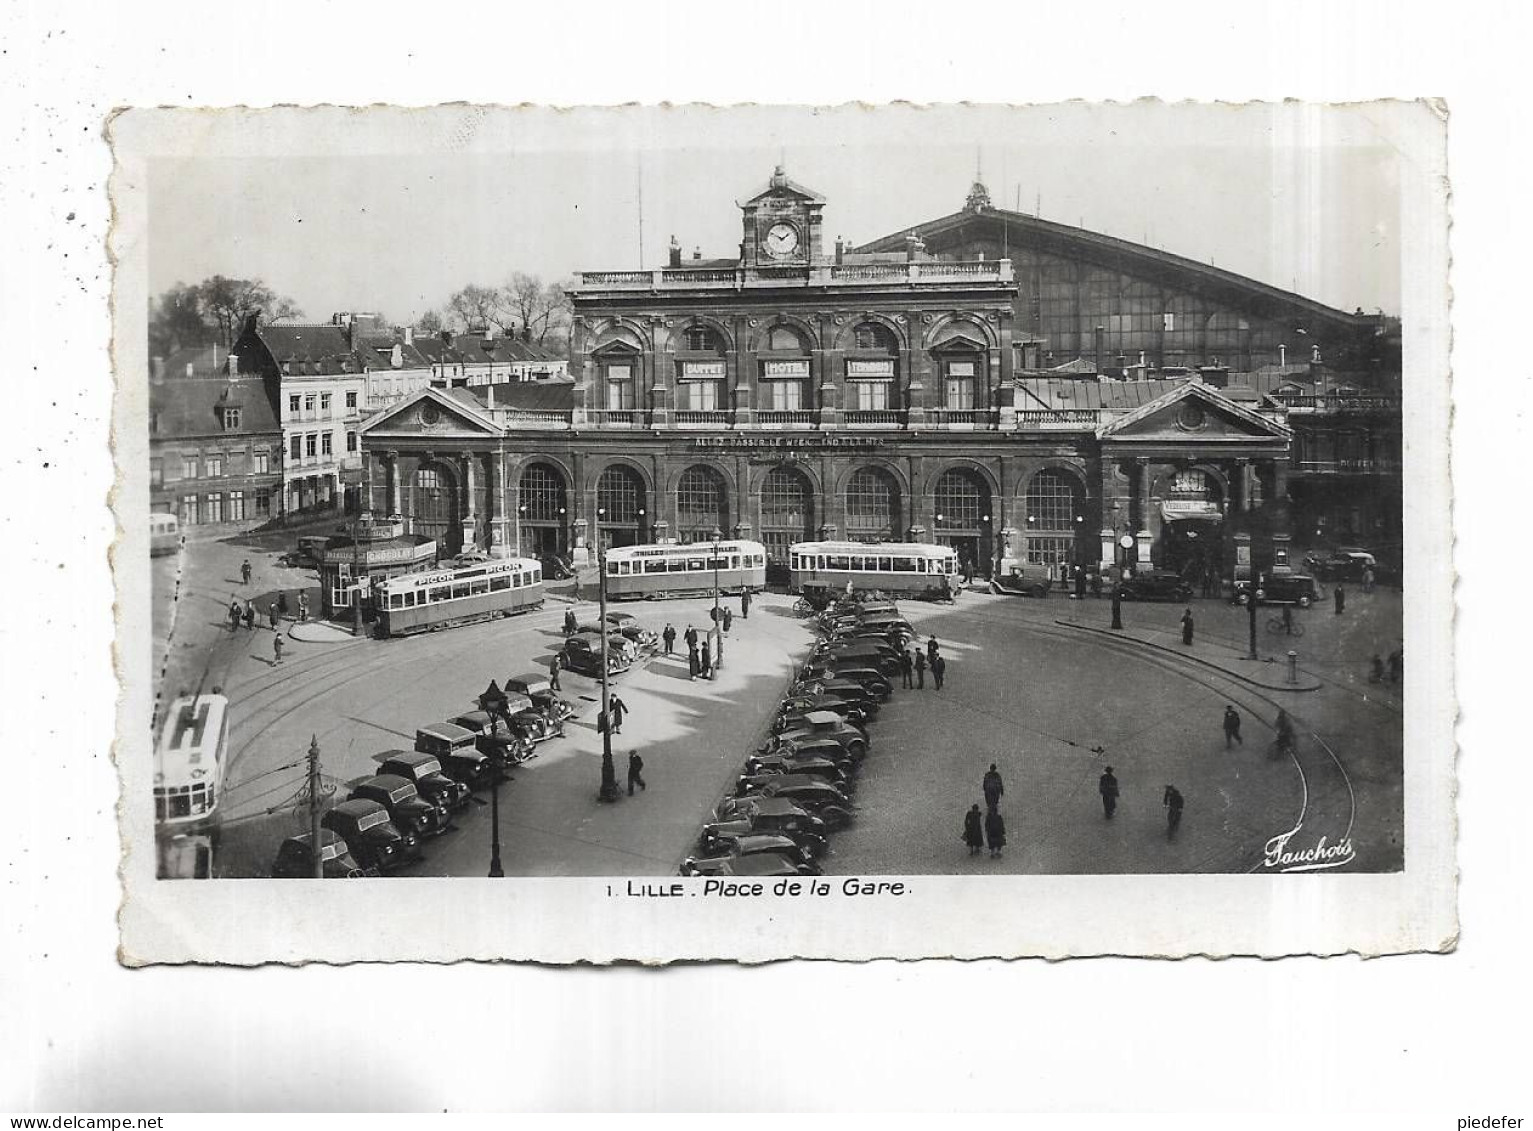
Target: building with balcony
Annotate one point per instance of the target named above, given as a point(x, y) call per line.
point(215, 444)
point(943, 384)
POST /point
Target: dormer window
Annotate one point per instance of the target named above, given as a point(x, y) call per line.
point(231, 417)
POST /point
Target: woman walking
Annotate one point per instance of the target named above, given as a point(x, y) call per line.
point(973, 830)
point(995, 832)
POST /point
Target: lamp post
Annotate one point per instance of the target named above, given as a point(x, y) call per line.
point(609, 791)
point(356, 575)
point(493, 703)
point(1254, 599)
point(718, 628)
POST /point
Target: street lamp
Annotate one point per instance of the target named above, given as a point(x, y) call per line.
point(718, 626)
point(356, 574)
point(608, 791)
point(493, 703)
point(1252, 601)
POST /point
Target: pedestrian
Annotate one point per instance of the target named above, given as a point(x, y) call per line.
point(1064, 576)
point(1340, 596)
point(303, 605)
point(553, 673)
point(245, 571)
point(249, 617)
point(1376, 669)
point(707, 661)
point(920, 670)
point(271, 612)
point(571, 625)
point(1080, 583)
point(635, 772)
point(690, 637)
point(931, 649)
point(973, 830)
point(1284, 728)
point(1096, 584)
point(276, 647)
point(992, 787)
point(575, 592)
point(1117, 606)
point(694, 663)
point(618, 709)
point(1232, 726)
point(1107, 786)
point(729, 619)
point(939, 669)
point(995, 832)
point(1287, 620)
point(1187, 625)
point(1172, 800)
point(282, 602)
point(907, 665)
point(745, 604)
point(1367, 579)
point(669, 636)
point(235, 615)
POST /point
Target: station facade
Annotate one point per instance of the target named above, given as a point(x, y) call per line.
point(912, 389)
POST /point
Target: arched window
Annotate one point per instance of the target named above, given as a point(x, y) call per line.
point(431, 506)
point(962, 513)
point(784, 339)
point(787, 512)
point(785, 377)
point(1055, 512)
point(620, 509)
point(702, 505)
point(701, 339)
point(871, 378)
point(1192, 484)
point(873, 505)
point(542, 511)
point(872, 336)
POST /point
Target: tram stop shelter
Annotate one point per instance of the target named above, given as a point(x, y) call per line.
point(376, 549)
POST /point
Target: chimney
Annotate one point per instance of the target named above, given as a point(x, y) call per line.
point(489, 335)
point(675, 252)
point(697, 252)
point(397, 356)
point(489, 395)
point(913, 247)
point(409, 335)
point(1282, 357)
point(840, 250)
point(1101, 347)
point(157, 369)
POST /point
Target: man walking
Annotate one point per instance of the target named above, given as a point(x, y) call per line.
point(617, 709)
point(931, 649)
point(974, 830)
point(995, 832)
point(992, 787)
point(939, 669)
point(1367, 579)
point(271, 613)
point(303, 605)
point(276, 647)
point(907, 665)
point(1107, 786)
point(635, 772)
point(245, 571)
point(571, 625)
point(921, 670)
point(234, 616)
point(249, 617)
point(1187, 625)
point(1341, 600)
point(1080, 583)
point(669, 636)
point(707, 661)
point(553, 673)
point(745, 604)
point(694, 662)
point(690, 636)
point(1232, 727)
point(729, 619)
point(1172, 800)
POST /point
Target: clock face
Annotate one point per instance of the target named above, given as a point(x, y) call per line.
point(781, 240)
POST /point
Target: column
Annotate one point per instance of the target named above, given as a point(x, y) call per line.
point(391, 458)
point(1110, 510)
point(1241, 483)
point(1142, 490)
point(470, 500)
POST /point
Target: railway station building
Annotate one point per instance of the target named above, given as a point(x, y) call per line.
point(1013, 387)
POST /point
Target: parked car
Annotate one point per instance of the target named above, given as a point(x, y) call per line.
point(767, 815)
point(490, 740)
point(1155, 585)
point(1346, 563)
point(530, 723)
point(847, 690)
point(750, 844)
point(808, 763)
point(463, 750)
point(806, 790)
point(581, 652)
point(872, 648)
point(426, 772)
point(632, 628)
point(407, 808)
point(1024, 579)
point(797, 705)
point(375, 841)
point(873, 681)
point(827, 726)
point(536, 687)
point(295, 857)
point(1280, 589)
point(629, 647)
point(823, 804)
point(762, 864)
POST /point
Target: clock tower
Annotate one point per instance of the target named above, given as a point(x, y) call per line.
point(782, 225)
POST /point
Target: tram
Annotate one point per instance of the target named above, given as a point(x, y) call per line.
point(912, 569)
point(188, 767)
point(656, 572)
point(164, 534)
point(425, 602)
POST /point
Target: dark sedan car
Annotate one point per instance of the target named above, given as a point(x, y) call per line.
point(1022, 579)
point(767, 815)
point(749, 844)
point(407, 808)
point(758, 865)
point(1155, 585)
point(789, 761)
point(463, 750)
point(535, 686)
point(581, 653)
point(375, 841)
point(847, 690)
point(830, 727)
point(426, 772)
point(295, 859)
point(873, 681)
point(797, 705)
point(833, 814)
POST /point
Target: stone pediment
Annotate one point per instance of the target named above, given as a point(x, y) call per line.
point(1194, 414)
point(431, 413)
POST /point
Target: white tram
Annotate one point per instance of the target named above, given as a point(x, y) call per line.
point(164, 534)
point(654, 572)
point(424, 602)
point(913, 569)
point(188, 765)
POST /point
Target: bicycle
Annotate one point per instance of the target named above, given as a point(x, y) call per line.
point(1276, 625)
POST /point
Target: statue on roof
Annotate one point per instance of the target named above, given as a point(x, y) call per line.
point(978, 199)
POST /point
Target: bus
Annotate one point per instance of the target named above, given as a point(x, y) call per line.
point(446, 598)
point(910, 569)
point(164, 534)
point(188, 768)
point(657, 572)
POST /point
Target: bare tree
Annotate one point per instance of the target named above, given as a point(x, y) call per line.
point(541, 309)
point(475, 307)
point(175, 320)
point(430, 322)
point(226, 303)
